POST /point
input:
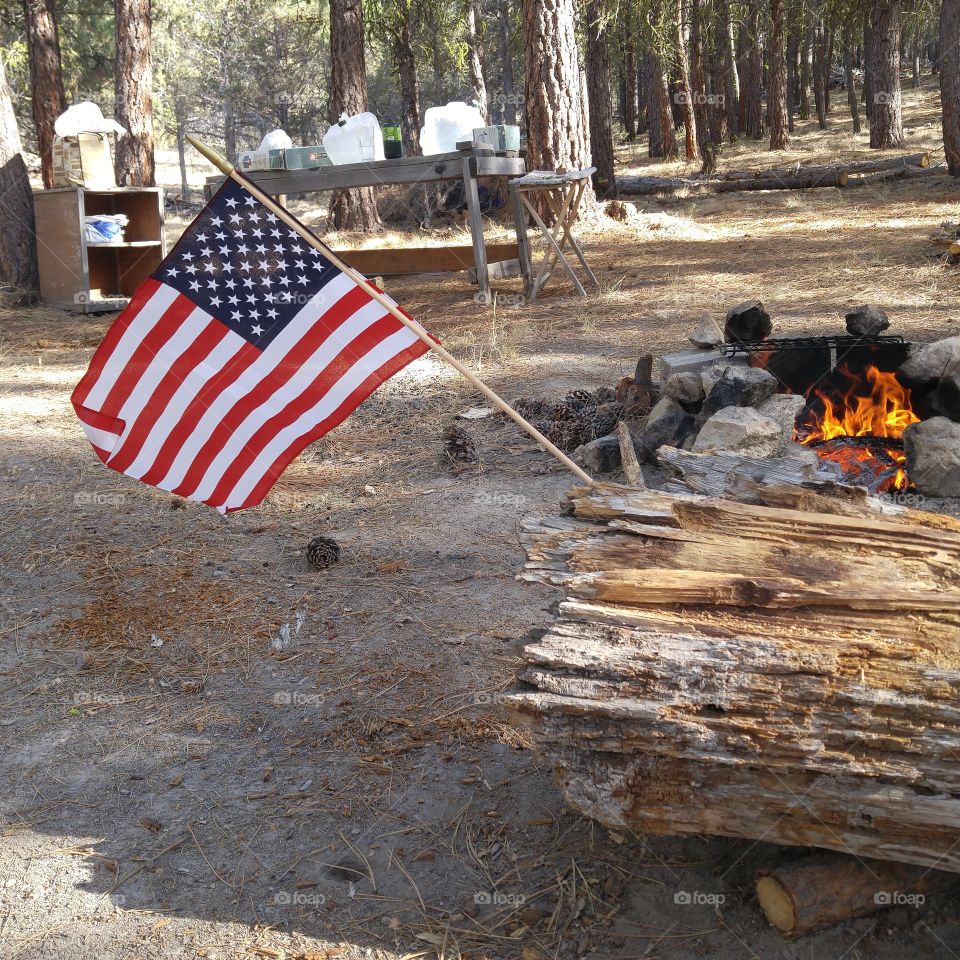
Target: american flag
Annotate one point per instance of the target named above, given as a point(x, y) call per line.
point(246, 345)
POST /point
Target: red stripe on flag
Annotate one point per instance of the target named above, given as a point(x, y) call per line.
point(109, 343)
point(244, 358)
point(309, 397)
point(301, 351)
point(168, 324)
point(99, 421)
point(208, 338)
point(350, 403)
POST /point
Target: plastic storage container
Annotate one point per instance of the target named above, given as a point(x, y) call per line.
point(354, 139)
point(306, 158)
point(445, 127)
point(502, 137)
point(260, 160)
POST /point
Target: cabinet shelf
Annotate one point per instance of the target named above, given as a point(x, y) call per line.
point(81, 276)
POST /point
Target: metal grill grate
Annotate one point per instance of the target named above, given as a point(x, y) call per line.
point(806, 343)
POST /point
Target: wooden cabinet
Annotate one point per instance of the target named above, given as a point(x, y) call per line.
point(96, 277)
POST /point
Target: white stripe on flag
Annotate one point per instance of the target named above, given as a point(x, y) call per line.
point(185, 394)
point(312, 368)
point(331, 400)
point(101, 439)
point(139, 328)
point(160, 365)
point(261, 368)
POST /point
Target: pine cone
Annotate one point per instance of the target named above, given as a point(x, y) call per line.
point(323, 552)
point(458, 445)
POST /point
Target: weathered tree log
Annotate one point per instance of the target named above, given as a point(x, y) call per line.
point(753, 671)
point(779, 178)
point(825, 888)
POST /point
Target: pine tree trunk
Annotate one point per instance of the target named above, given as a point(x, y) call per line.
point(698, 81)
point(792, 75)
point(406, 65)
point(18, 244)
point(819, 87)
point(655, 139)
point(134, 94)
point(806, 69)
point(726, 57)
point(46, 78)
point(852, 98)
point(685, 94)
point(629, 87)
point(949, 69)
point(353, 209)
point(180, 116)
point(751, 94)
point(558, 121)
point(601, 109)
point(475, 60)
point(867, 67)
point(509, 99)
point(779, 138)
point(886, 121)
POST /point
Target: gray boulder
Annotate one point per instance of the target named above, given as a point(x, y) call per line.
point(686, 388)
point(748, 321)
point(740, 430)
point(664, 407)
point(933, 456)
point(671, 427)
point(739, 387)
point(867, 320)
point(784, 408)
point(927, 364)
point(601, 455)
point(947, 397)
point(712, 372)
point(706, 333)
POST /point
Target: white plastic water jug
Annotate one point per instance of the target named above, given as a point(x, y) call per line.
point(445, 127)
point(354, 139)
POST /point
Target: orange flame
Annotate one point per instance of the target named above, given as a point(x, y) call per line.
point(884, 411)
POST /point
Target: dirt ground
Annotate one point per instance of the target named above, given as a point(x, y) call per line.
point(210, 749)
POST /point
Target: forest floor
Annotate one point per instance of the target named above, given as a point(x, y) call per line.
point(210, 749)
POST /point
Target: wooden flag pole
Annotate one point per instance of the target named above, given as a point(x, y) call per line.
point(229, 170)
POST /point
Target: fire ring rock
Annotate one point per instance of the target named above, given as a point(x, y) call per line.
point(867, 320)
point(748, 321)
point(740, 430)
point(933, 456)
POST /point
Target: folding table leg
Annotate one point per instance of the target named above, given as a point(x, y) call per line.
point(523, 241)
point(476, 231)
point(557, 256)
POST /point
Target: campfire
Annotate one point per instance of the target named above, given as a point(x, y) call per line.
point(859, 426)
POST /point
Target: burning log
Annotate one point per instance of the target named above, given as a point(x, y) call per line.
point(753, 671)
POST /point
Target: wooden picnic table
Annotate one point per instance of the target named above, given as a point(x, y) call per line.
point(467, 165)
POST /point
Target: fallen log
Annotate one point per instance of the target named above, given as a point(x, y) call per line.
point(901, 173)
point(822, 889)
point(752, 671)
point(794, 177)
